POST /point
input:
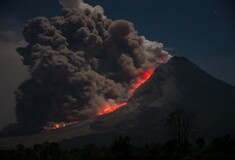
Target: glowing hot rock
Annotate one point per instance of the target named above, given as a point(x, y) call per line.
point(53, 125)
point(137, 83)
point(142, 79)
point(108, 109)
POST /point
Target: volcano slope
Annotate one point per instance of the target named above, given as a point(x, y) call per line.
point(177, 84)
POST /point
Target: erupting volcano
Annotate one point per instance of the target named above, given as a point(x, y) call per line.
point(93, 79)
point(143, 77)
point(110, 107)
point(82, 64)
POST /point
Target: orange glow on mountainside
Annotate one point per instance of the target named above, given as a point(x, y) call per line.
point(53, 125)
point(109, 109)
point(137, 83)
point(142, 79)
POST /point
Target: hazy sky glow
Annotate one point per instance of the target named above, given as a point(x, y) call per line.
point(202, 30)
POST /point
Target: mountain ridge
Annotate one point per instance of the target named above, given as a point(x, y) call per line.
point(177, 84)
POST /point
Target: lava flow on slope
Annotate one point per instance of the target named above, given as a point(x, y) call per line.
point(144, 76)
point(53, 125)
point(109, 107)
point(142, 79)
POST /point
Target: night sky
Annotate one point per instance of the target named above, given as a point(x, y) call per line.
point(202, 31)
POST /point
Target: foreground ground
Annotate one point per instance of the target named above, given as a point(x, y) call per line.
point(220, 148)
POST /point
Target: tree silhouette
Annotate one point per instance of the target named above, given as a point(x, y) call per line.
point(200, 142)
point(179, 125)
point(122, 147)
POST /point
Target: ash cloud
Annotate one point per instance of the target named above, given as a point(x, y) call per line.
point(79, 62)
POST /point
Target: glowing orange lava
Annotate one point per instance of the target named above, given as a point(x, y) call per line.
point(53, 125)
point(144, 76)
point(57, 126)
point(142, 79)
point(108, 109)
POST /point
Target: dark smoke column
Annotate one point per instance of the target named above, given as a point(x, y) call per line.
point(80, 62)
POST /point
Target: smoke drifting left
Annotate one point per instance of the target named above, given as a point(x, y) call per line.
point(80, 63)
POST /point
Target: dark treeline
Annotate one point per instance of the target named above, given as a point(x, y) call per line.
point(220, 148)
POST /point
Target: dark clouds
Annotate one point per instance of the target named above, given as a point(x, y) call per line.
point(196, 29)
point(81, 61)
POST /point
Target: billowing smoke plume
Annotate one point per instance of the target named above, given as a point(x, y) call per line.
point(80, 62)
